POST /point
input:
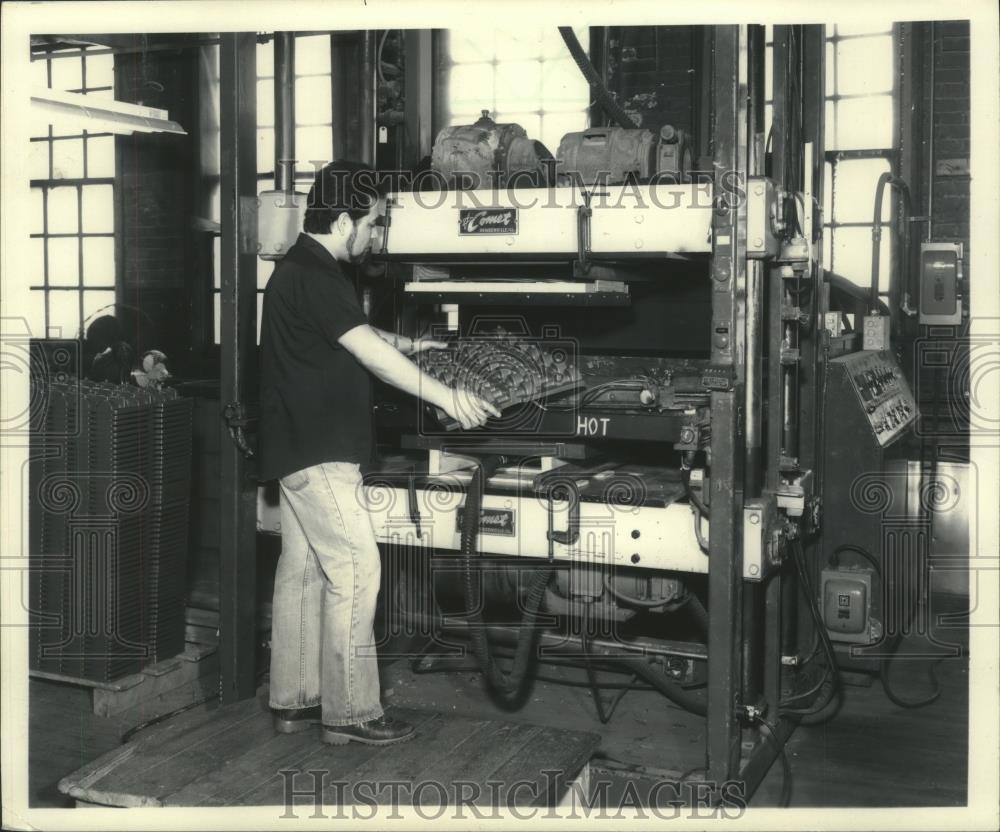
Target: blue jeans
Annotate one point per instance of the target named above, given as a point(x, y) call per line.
point(325, 591)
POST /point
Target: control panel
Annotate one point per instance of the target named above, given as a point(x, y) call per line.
point(884, 394)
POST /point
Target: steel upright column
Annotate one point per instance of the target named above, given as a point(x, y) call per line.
point(812, 353)
point(728, 276)
point(238, 497)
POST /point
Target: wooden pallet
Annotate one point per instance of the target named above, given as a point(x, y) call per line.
point(233, 757)
point(155, 690)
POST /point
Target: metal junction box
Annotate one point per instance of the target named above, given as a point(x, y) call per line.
point(847, 604)
point(940, 283)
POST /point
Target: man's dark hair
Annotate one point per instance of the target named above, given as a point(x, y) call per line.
point(340, 187)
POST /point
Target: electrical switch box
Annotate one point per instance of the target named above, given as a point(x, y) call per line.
point(279, 221)
point(940, 283)
point(847, 604)
point(875, 336)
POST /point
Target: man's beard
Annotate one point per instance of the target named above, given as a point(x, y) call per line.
point(351, 256)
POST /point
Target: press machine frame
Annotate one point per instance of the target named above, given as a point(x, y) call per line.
point(755, 476)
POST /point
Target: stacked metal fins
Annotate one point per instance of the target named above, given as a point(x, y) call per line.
point(110, 477)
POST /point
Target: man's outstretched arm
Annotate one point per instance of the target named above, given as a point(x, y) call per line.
point(389, 365)
point(407, 345)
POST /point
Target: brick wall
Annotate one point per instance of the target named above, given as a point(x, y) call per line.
point(951, 132)
point(156, 201)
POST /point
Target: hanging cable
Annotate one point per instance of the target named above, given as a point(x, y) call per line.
point(601, 94)
point(603, 715)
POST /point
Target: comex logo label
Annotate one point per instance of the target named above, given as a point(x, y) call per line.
point(488, 221)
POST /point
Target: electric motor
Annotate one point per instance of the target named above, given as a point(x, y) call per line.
point(467, 154)
point(612, 155)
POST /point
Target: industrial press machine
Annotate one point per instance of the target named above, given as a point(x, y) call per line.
point(654, 328)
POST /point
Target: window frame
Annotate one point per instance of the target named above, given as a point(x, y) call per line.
point(45, 287)
point(833, 157)
point(265, 178)
point(454, 117)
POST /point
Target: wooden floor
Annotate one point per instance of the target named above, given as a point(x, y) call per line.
point(873, 754)
point(233, 757)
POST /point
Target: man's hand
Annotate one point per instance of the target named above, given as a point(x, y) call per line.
point(467, 408)
point(421, 344)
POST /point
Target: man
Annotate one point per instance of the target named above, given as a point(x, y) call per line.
point(317, 357)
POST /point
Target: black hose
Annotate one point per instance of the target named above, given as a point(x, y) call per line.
point(601, 94)
point(674, 692)
point(698, 613)
point(508, 688)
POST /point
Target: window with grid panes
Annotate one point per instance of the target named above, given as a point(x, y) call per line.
point(524, 75)
point(313, 136)
point(72, 173)
point(860, 86)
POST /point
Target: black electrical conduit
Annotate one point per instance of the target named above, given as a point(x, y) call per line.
point(601, 94)
point(510, 687)
point(900, 185)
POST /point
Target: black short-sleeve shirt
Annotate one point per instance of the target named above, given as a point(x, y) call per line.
point(315, 398)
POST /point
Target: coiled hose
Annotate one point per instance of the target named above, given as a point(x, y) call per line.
point(507, 688)
point(601, 94)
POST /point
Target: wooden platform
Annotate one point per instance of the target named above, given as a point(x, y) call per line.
point(232, 756)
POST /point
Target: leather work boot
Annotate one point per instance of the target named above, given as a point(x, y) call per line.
point(382, 731)
point(293, 720)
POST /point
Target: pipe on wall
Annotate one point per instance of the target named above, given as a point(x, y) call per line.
point(284, 112)
point(366, 99)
